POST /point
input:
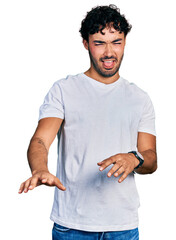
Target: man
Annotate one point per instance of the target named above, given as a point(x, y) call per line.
point(106, 133)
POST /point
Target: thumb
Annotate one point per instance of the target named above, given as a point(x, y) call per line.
point(59, 185)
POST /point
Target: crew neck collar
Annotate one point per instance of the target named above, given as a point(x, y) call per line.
point(100, 84)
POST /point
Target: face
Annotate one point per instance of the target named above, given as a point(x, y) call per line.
point(106, 52)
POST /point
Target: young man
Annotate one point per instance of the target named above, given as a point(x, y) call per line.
point(106, 133)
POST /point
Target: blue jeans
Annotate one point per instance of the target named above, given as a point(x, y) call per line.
point(63, 233)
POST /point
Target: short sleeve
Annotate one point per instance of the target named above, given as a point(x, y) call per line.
point(53, 104)
point(147, 122)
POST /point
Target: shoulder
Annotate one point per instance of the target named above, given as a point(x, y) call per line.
point(134, 91)
point(67, 81)
point(67, 85)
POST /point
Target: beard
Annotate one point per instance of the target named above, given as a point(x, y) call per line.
point(103, 72)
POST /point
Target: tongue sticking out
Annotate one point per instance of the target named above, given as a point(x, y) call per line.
point(108, 64)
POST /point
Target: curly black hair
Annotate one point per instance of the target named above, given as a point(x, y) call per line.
point(100, 17)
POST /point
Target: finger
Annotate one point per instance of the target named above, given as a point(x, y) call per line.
point(123, 177)
point(21, 188)
point(113, 169)
point(119, 172)
point(48, 181)
point(59, 185)
point(26, 186)
point(108, 160)
point(99, 163)
point(45, 180)
point(105, 163)
point(53, 181)
point(34, 183)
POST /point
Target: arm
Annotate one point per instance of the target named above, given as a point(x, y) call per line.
point(147, 147)
point(125, 163)
point(38, 155)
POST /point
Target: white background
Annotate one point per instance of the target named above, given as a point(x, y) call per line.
point(39, 44)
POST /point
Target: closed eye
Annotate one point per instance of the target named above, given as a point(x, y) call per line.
point(98, 43)
point(117, 41)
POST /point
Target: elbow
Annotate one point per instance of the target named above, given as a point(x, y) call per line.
point(154, 167)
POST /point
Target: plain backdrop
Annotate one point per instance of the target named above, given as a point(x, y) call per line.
point(39, 44)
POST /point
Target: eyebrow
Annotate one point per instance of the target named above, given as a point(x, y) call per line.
point(116, 40)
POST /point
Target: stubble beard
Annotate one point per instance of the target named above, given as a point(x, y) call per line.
point(105, 73)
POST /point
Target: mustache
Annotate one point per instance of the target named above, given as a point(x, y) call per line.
point(108, 58)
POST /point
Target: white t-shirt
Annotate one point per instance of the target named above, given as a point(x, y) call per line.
point(100, 120)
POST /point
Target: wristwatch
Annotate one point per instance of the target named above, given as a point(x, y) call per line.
point(139, 157)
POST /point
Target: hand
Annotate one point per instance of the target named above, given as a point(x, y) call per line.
point(123, 163)
point(39, 178)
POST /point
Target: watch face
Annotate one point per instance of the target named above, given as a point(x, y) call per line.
point(140, 155)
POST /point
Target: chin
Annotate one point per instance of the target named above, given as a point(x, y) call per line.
point(108, 73)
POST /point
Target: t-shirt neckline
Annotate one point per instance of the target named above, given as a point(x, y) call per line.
point(100, 84)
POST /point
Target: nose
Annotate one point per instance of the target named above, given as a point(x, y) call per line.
point(108, 50)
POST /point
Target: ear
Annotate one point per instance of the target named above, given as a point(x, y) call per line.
point(85, 43)
point(125, 40)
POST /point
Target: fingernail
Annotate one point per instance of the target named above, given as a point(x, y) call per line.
point(109, 174)
point(101, 168)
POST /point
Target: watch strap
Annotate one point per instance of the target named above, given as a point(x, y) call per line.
point(139, 157)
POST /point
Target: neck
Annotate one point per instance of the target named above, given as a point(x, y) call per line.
point(96, 76)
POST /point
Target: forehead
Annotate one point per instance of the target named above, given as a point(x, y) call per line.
point(108, 34)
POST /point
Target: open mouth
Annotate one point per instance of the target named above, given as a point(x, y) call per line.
point(108, 64)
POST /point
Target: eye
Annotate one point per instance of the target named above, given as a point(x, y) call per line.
point(117, 43)
point(98, 44)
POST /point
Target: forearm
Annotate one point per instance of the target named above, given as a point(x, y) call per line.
point(150, 162)
point(37, 155)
